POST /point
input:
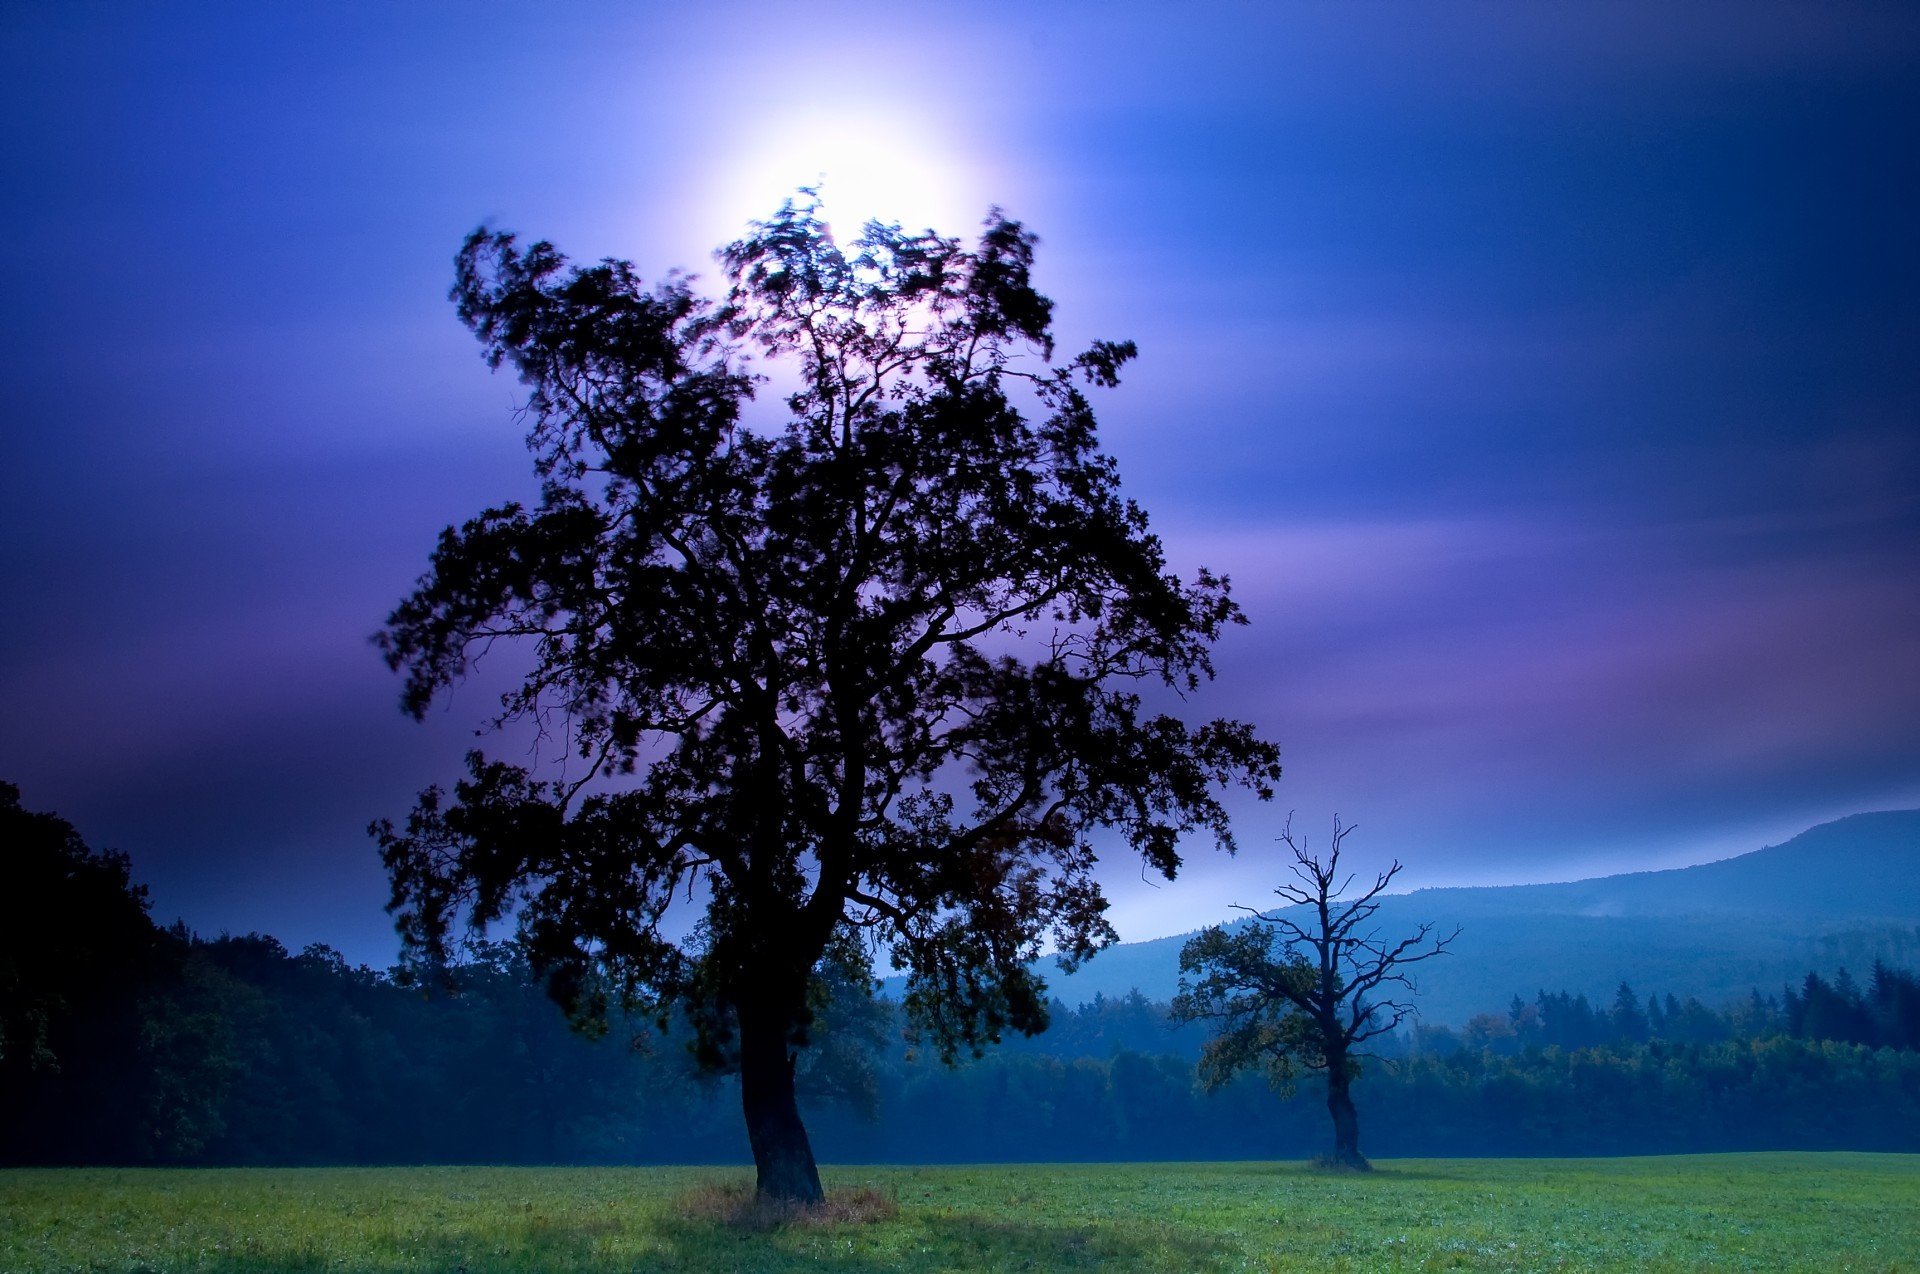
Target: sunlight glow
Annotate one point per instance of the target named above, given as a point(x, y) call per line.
point(869, 164)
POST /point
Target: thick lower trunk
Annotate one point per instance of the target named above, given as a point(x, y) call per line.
point(1346, 1121)
point(782, 1155)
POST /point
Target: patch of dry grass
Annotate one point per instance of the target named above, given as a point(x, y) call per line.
point(734, 1204)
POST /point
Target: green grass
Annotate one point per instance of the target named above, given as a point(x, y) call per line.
point(1824, 1212)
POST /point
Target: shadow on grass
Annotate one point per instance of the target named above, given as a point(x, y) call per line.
point(1387, 1172)
point(944, 1242)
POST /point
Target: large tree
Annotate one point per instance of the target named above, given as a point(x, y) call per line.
point(1308, 983)
point(860, 675)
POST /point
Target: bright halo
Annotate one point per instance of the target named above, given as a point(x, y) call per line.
point(869, 165)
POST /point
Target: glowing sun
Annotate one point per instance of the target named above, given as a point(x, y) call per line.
point(868, 164)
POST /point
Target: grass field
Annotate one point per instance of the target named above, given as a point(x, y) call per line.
point(1824, 1212)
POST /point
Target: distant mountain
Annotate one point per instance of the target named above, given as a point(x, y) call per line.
point(1866, 866)
point(1841, 894)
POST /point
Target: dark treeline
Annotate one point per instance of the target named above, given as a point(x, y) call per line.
point(241, 1052)
point(1883, 1014)
point(124, 1043)
point(245, 1053)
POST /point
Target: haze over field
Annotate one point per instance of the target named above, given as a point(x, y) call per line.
point(1541, 375)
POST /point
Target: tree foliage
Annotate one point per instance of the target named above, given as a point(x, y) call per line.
point(862, 674)
point(72, 925)
point(77, 953)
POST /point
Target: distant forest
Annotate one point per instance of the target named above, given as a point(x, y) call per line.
point(121, 1042)
point(236, 1051)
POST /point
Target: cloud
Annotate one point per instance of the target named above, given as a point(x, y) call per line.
point(1510, 699)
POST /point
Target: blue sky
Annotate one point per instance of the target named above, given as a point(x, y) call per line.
point(1542, 375)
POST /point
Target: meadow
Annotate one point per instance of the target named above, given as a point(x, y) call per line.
point(1825, 1212)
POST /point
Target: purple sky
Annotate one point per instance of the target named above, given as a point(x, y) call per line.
point(1543, 375)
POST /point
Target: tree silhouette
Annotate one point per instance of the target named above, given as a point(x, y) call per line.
point(78, 951)
point(863, 678)
point(1303, 990)
point(73, 925)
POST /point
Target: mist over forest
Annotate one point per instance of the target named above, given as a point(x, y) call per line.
point(127, 1042)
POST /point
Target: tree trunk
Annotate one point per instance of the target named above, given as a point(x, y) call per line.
point(1346, 1121)
point(782, 1155)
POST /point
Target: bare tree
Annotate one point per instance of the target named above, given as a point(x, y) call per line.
point(1308, 983)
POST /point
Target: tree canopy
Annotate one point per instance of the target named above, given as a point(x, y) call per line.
point(862, 675)
point(78, 952)
point(72, 925)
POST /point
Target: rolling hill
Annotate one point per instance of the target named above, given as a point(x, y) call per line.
point(1841, 894)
